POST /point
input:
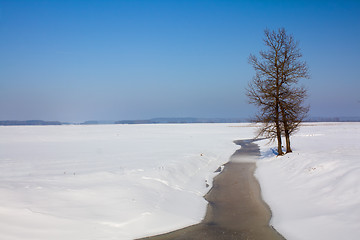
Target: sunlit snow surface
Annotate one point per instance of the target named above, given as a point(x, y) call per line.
point(314, 193)
point(128, 181)
point(108, 181)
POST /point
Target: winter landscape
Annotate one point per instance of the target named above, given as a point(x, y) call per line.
point(160, 120)
point(130, 181)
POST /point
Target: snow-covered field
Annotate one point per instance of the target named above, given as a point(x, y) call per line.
point(128, 181)
point(314, 193)
point(108, 181)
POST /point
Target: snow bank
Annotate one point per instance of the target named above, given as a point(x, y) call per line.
point(110, 181)
point(314, 192)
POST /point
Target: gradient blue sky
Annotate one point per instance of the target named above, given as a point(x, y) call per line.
point(83, 60)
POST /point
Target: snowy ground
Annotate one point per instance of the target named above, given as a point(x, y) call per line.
point(109, 181)
point(314, 193)
point(127, 181)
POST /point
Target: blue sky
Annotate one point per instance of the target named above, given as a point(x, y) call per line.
point(83, 60)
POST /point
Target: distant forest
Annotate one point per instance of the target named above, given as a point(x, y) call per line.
point(28, 122)
point(166, 120)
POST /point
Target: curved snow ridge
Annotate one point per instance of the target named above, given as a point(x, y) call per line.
point(175, 187)
point(123, 224)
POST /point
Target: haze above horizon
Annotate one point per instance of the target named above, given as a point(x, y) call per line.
point(82, 60)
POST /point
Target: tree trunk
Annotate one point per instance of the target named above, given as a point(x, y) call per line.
point(286, 129)
point(277, 105)
point(280, 152)
point(278, 128)
point(287, 139)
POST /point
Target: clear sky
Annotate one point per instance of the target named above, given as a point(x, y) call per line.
point(83, 60)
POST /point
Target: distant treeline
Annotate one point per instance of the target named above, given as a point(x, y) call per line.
point(333, 119)
point(28, 122)
point(181, 120)
point(228, 120)
point(168, 120)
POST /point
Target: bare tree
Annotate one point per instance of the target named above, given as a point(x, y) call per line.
point(274, 88)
